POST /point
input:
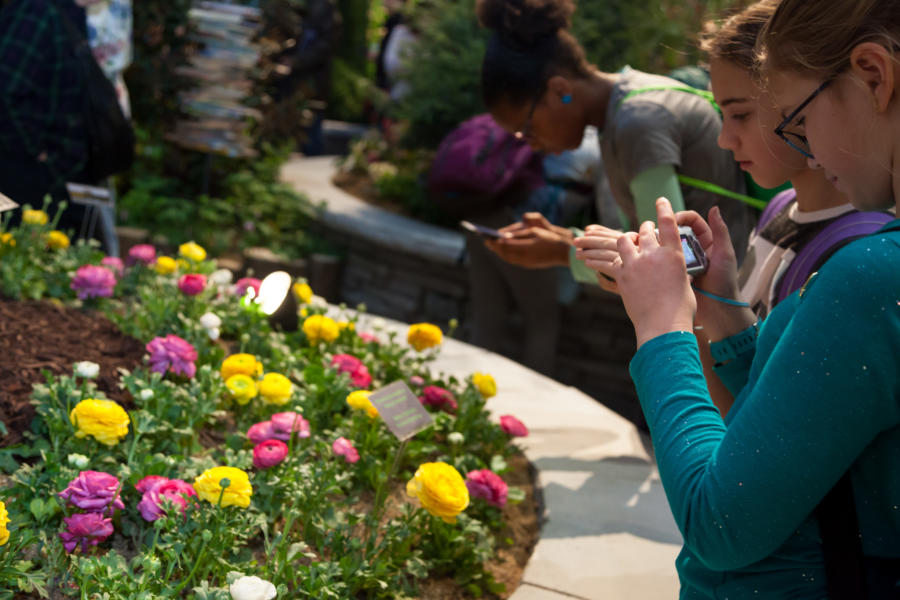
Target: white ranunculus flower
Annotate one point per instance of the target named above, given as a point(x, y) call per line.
point(251, 588)
point(221, 277)
point(378, 323)
point(210, 321)
point(456, 437)
point(87, 369)
point(213, 333)
point(146, 394)
point(318, 301)
point(79, 461)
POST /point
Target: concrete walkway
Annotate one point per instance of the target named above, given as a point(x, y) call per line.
point(607, 533)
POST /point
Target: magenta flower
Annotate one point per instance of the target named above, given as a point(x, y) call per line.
point(114, 264)
point(85, 529)
point(93, 491)
point(359, 373)
point(285, 422)
point(344, 447)
point(261, 432)
point(488, 485)
point(438, 397)
point(149, 482)
point(192, 284)
point(269, 453)
point(513, 426)
point(242, 284)
point(172, 353)
point(92, 281)
point(156, 500)
point(141, 253)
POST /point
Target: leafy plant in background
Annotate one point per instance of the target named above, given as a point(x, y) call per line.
point(180, 495)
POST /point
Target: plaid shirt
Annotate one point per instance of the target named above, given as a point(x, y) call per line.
point(41, 89)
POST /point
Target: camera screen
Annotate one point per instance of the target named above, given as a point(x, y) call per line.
point(689, 258)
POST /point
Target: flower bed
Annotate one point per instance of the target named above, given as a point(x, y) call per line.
point(241, 462)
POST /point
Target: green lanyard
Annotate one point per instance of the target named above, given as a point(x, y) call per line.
point(700, 184)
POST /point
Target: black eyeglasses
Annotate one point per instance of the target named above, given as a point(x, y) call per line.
point(796, 141)
point(524, 132)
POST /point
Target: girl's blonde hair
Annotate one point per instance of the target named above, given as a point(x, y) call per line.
point(814, 38)
point(735, 38)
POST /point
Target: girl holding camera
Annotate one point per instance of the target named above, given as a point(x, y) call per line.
point(796, 494)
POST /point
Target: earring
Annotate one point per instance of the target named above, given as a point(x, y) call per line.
point(567, 99)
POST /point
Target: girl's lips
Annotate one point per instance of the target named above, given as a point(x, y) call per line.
point(745, 164)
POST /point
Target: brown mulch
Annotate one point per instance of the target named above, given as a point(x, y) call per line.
point(39, 336)
point(46, 336)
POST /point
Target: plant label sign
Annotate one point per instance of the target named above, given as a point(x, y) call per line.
point(6, 203)
point(90, 195)
point(401, 410)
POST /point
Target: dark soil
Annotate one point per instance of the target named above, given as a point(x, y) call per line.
point(47, 336)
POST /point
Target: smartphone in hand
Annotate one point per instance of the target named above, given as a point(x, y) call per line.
point(485, 232)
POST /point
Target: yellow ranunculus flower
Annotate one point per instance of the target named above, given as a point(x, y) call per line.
point(422, 336)
point(207, 485)
point(320, 328)
point(34, 217)
point(441, 490)
point(104, 420)
point(359, 400)
point(241, 364)
point(276, 389)
point(7, 239)
point(192, 251)
point(342, 325)
point(303, 292)
point(242, 388)
point(486, 385)
point(57, 240)
point(304, 312)
point(165, 265)
point(4, 520)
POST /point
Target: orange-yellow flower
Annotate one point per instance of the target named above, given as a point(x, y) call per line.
point(7, 239)
point(242, 388)
point(441, 490)
point(320, 328)
point(422, 336)
point(165, 265)
point(4, 520)
point(57, 240)
point(208, 486)
point(104, 420)
point(241, 364)
point(303, 292)
point(192, 251)
point(359, 400)
point(485, 384)
point(34, 217)
point(276, 389)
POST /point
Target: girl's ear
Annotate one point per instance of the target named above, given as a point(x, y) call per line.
point(559, 88)
point(874, 66)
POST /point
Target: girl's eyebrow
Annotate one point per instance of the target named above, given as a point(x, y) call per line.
point(728, 101)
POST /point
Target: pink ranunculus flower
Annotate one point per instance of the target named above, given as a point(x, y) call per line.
point(344, 447)
point(269, 453)
point(176, 491)
point(85, 530)
point(513, 426)
point(192, 284)
point(359, 373)
point(438, 397)
point(94, 491)
point(284, 422)
point(261, 432)
point(92, 281)
point(113, 263)
point(368, 338)
point(417, 381)
point(142, 253)
point(149, 482)
point(242, 284)
point(486, 484)
point(171, 353)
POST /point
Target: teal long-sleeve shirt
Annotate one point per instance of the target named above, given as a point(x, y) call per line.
point(818, 395)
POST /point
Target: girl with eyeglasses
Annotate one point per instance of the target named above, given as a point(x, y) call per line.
point(797, 493)
point(537, 83)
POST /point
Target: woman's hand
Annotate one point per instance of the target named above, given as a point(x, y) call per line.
point(652, 278)
point(598, 250)
point(717, 318)
point(533, 243)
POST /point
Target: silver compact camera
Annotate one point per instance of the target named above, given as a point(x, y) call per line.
point(694, 257)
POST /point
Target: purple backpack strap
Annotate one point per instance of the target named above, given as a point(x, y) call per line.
point(839, 232)
point(778, 203)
